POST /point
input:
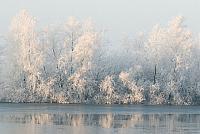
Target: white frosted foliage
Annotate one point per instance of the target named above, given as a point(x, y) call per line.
point(75, 62)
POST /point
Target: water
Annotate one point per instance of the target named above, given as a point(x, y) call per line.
point(98, 119)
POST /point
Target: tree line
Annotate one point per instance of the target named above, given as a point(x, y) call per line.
point(70, 63)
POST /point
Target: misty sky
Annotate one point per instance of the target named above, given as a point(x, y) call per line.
point(118, 16)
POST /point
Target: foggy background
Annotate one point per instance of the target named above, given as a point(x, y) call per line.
point(116, 16)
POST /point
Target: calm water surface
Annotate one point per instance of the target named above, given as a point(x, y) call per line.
point(98, 119)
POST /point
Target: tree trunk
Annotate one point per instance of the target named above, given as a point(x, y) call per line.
point(154, 77)
point(72, 49)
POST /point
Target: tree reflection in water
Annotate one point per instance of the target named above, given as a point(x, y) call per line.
point(104, 120)
point(98, 119)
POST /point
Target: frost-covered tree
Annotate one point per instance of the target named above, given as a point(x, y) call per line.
point(169, 51)
point(134, 93)
point(107, 94)
point(69, 54)
point(154, 48)
point(25, 55)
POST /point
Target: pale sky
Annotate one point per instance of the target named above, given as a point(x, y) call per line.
point(118, 16)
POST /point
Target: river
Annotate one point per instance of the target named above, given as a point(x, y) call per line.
point(98, 119)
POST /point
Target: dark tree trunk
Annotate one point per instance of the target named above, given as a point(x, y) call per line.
point(154, 77)
point(72, 49)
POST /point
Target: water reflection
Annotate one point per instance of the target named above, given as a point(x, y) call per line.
point(106, 122)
